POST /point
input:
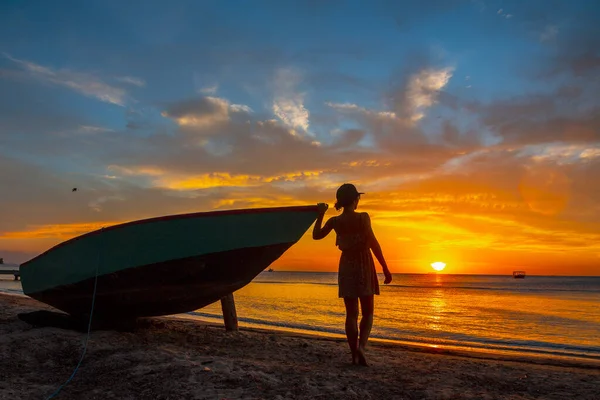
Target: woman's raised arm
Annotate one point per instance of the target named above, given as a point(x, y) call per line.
point(318, 232)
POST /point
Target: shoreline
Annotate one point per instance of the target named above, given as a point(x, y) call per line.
point(465, 350)
point(533, 357)
point(173, 357)
point(420, 347)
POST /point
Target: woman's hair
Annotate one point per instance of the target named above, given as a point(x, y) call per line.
point(345, 203)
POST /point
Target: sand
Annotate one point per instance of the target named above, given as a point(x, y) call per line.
point(171, 358)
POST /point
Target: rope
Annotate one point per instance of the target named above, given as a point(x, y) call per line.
point(87, 338)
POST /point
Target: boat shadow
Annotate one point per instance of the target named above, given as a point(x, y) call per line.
point(53, 319)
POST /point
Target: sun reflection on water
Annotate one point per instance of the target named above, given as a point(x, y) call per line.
point(435, 308)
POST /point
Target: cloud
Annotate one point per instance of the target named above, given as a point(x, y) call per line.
point(240, 108)
point(422, 90)
point(288, 104)
point(507, 193)
point(203, 112)
point(568, 114)
point(398, 132)
point(419, 87)
point(209, 90)
point(132, 81)
point(579, 57)
point(29, 183)
point(397, 129)
point(31, 110)
point(575, 51)
point(563, 153)
point(502, 199)
point(58, 231)
point(449, 196)
point(349, 138)
point(549, 33)
point(508, 176)
point(501, 13)
point(83, 83)
point(354, 108)
point(213, 147)
point(187, 182)
point(89, 129)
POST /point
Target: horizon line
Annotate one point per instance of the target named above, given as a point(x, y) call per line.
point(430, 273)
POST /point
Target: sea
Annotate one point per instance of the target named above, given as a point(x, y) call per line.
point(544, 316)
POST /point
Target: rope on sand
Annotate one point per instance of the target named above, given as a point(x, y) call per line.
point(89, 322)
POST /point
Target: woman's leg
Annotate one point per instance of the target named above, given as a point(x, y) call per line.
point(351, 325)
point(366, 323)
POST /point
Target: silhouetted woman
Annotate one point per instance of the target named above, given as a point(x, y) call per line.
point(357, 278)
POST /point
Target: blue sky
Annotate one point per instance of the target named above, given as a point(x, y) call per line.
point(242, 103)
point(178, 49)
point(348, 52)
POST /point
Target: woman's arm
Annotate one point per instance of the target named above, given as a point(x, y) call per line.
point(376, 248)
point(318, 232)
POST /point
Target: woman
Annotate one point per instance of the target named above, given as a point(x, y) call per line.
point(357, 278)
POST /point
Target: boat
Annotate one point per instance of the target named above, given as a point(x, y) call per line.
point(164, 265)
point(271, 269)
point(519, 274)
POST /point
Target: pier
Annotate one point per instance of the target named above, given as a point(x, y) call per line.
point(14, 272)
point(9, 269)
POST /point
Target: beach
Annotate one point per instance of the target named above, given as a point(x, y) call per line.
point(173, 358)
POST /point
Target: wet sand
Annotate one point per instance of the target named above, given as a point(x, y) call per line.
point(172, 358)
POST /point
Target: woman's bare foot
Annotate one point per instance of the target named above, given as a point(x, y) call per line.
point(362, 360)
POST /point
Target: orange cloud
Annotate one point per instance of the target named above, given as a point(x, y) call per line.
point(165, 179)
point(221, 179)
point(56, 231)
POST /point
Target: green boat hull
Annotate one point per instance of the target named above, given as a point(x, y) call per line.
point(165, 265)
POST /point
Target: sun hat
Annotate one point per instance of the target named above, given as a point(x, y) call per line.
point(346, 194)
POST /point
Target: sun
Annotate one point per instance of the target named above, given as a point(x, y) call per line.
point(438, 266)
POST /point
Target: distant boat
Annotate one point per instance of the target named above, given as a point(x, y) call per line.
point(519, 274)
point(271, 269)
point(165, 265)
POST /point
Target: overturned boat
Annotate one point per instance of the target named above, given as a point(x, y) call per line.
point(165, 265)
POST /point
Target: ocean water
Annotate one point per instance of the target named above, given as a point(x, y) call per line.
point(542, 316)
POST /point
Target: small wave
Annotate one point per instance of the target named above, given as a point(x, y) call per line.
point(12, 291)
point(291, 326)
point(297, 283)
point(446, 286)
point(458, 341)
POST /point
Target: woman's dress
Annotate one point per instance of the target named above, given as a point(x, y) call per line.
point(356, 276)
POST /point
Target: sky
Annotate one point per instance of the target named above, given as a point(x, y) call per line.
point(473, 126)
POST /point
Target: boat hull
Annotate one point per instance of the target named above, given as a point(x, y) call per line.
point(170, 287)
point(164, 265)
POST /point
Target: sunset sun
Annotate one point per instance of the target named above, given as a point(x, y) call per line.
point(438, 266)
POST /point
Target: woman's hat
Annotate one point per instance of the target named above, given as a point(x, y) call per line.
point(347, 193)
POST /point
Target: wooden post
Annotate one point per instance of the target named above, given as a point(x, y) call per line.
point(229, 313)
